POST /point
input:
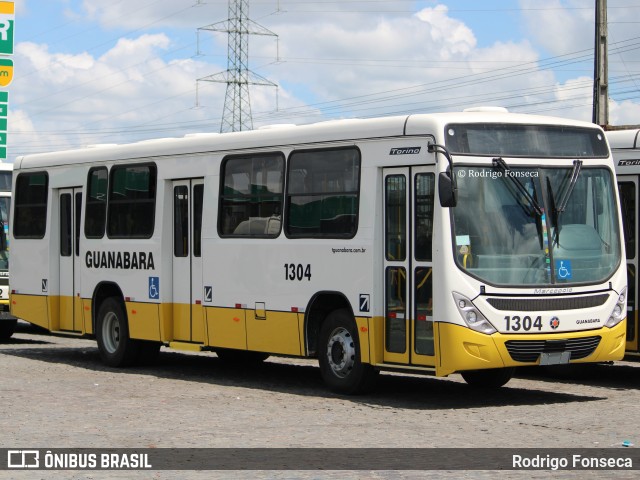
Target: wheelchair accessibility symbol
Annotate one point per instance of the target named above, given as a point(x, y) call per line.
point(154, 288)
point(563, 269)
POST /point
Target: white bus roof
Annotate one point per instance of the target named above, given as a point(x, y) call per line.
point(623, 138)
point(328, 131)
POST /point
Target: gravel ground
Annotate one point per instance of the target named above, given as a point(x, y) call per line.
point(57, 394)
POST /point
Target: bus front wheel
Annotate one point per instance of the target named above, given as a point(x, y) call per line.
point(116, 348)
point(339, 356)
point(489, 378)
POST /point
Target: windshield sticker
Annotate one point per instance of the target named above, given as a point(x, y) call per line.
point(563, 269)
point(463, 240)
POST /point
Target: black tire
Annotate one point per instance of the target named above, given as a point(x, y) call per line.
point(339, 356)
point(116, 348)
point(489, 378)
point(7, 327)
point(230, 356)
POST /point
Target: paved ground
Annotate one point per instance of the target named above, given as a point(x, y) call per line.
point(57, 394)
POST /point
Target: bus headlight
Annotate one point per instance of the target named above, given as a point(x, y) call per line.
point(618, 313)
point(472, 316)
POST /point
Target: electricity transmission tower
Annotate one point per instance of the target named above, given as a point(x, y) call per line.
point(237, 105)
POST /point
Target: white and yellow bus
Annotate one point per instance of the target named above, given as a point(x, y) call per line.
point(349, 241)
point(7, 321)
point(625, 148)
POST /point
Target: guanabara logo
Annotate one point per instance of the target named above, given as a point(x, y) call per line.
point(120, 260)
point(555, 322)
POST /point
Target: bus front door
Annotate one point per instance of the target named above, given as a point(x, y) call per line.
point(628, 188)
point(188, 319)
point(408, 266)
point(70, 303)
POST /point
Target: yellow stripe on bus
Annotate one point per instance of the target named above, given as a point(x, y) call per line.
point(31, 308)
point(144, 320)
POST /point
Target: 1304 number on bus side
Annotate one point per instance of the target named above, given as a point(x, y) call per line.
point(298, 271)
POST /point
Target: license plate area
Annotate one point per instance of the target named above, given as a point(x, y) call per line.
point(554, 358)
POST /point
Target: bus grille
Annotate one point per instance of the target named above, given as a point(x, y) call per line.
point(547, 304)
point(530, 350)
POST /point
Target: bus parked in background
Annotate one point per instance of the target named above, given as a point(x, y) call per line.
point(468, 243)
point(7, 321)
point(625, 148)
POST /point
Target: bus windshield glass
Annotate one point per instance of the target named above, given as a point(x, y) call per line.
point(508, 228)
point(540, 141)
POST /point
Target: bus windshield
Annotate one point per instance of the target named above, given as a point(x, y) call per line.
point(509, 228)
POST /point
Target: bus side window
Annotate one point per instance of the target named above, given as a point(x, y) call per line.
point(251, 196)
point(96, 208)
point(132, 200)
point(325, 203)
point(30, 213)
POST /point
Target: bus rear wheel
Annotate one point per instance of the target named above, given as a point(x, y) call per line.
point(7, 327)
point(339, 356)
point(116, 348)
point(489, 378)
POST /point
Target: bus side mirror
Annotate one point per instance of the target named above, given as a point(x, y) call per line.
point(447, 190)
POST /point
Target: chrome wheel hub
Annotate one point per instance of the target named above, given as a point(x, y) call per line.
point(341, 352)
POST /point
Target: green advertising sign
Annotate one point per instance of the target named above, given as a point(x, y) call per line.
point(6, 71)
point(4, 110)
point(7, 23)
point(7, 20)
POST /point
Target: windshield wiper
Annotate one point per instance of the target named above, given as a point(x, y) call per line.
point(577, 165)
point(501, 164)
point(564, 201)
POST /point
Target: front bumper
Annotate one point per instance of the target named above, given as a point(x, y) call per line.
point(464, 349)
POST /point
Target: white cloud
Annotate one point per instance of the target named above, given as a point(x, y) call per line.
point(142, 47)
point(77, 96)
point(624, 113)
point(560, 26)
point(452, 36)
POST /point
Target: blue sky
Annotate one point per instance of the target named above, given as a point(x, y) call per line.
point(116, 71)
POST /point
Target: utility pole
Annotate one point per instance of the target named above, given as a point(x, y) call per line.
point(238, 77)
point(600, 69)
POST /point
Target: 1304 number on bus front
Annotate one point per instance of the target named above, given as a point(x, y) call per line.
point(526, 323)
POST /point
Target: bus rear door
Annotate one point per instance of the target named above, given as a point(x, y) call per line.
point(188, 294)
point(70, 303)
